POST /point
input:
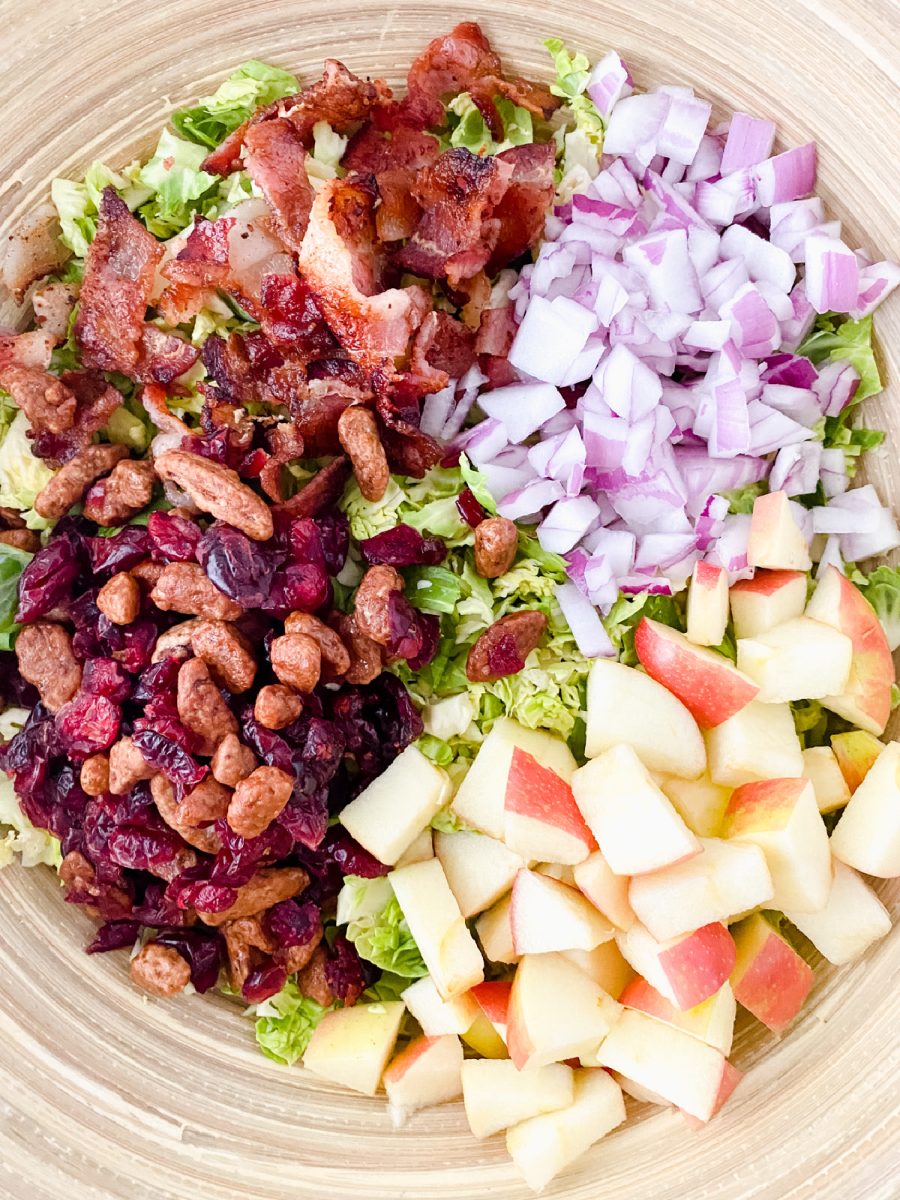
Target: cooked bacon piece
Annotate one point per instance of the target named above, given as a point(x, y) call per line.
point(456, 233)
point(276, 160)
point(164, 356)
point(322, 491)
point(53, 304)
point(153, 398)
point(409, 450)
point(118, 280)
point(32, 349)
point(496, 331)
point(32, 250)
point(338, 260)
point(96, 401)
point(227, 156)
point(239, 366)
point(46, 401)
point(371, 150)
point(443, 349)
point(523, 207)
point(398, 213)
point(291, 317)
point(315, 406)
point(286, 443)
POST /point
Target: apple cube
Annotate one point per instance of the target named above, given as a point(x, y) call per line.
point(438, 928)
point(419, 850)
point(393, 810)
point(776, 540)
point(626, 706)
point(351, 1046)
point(667, 1061)
point(782, 818)
point(479, 802)
point(496, 1094)
point(731, 1077)
point(484, 1039)
point(706, 683)
point(546, 915)
point(436, 1015)
point(427, 1071)
point(800, 660)
point(555, 1012)
point(636, 827)
point(495, 933)
point(759, 742)
point(856, 752)
point(726, 879)
point(543, 1146)
point(605, 965)
point(867, 836)
point(865, 699)
point(822, 769)
point(607, 891)
point(686, 970)
point(712, 1021)
point(479, 869)
point(849, 923)
point(561, 871)
point(699, 802)
point(493, 1000)
point(768, 599)
point(707, 606)
point(541, 818)
point(769, 979)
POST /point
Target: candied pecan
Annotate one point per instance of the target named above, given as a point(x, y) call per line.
point(241, 937)
point(503, 647)
point(295, 958)
point(207, 802)
point(232, 761)
point(94, 777)
point(277, 706)
point(258, 800)
point(268, 886)
point(22, 539)
point(160, 970)
point(201, 707)
point(10, 518)
point(183, 860)
point(71, 481)
point(312, 980)
point(205, 840)
point(185, 588)
point(44, 651)
point(358, 431)
point(120, 599)
point(496, 542)
point(335, 656)
point(217, 490)
point(371, 603)
point(127, 766)
point(125, 491)
point(175, 642)
point(296, 660)
point(147, 572)
point(226, 652)
point(365, 655)
point(76, 872)
point(46, 401)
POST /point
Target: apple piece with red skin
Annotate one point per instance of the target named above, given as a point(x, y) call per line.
point(479, 869)
point(607, 891)
point(822, 769)
point(351, 1046)
point(700, 802)
point(495, 933)
point(492, 997)
point(543, 1146)
point(768, 599)
point(642, 835)
point(856, 752)
point(867, 836)
point(769, 979)
point(712, 1021)
point(776, 540)
point(800, 660)
point(436, 1015)
point(707, 605)
point(706, 683)
point(497, 1095)
point(605, 965)
point(865, 700)
point(781, 817)
point(427, 1071)
point(759, 742)
point(627, 706)
point(540, 817)
point(849, 923)
point(438, 928)
point(731, 1077)
point(685, 970)
point(555, 1012)
point(546, 915)
point(724, 881)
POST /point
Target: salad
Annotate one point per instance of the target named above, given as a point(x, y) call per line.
point(435, 604)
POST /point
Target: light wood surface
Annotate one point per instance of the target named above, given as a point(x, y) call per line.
point(105, 1095)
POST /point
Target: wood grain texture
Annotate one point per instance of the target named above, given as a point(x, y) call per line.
point(105, 1095)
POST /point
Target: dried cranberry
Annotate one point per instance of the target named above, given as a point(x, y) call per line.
point(202, 950)
point(114, 935)
point(270, 746)
point(345, 972)
point(158, 681)
point(169, 758)
point(430, 638)
point(305, 817)
point(14, 690)
point(406, 637)
point(141, 850)
point(88, 724)
point(403, 546)
point(157, 907)
point(469, 508)
point(503, 657)
point(306, 542)
point(263, 982)
point(293, 924)
point(298, 587)
point(169, 726)
point(174, 538)
point(106, 677)
point(340, 847)
point(239, 567)
point(251, 465)
point(120, 552)
point(334, 530)
point(47, 580)
point(131, 645)
point(208, 897)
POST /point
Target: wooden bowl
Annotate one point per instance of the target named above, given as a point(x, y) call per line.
point(106, 1094)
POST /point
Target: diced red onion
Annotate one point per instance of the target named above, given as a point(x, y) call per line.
point(566, 523)
point(528, 500)
point(761, 258)
point(796, 469)
point(522, 408)
point(832, 275)
point(800, 404)
point(635, 125)
point(749, 141)
point(833, 472)
point(836, 386)
point(876, 282)
point(584, 621)
point(609, 82)
point(787, 176)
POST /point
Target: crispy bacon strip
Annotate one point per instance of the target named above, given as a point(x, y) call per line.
point(276, 160)
point(394, 161)
point(443, 349)
point(118, 280)
point(523, 207)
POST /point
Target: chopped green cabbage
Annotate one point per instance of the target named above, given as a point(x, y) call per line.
point(469, 129)
point(176, 183)
point(79, 203)
point(328, 150)
point(580, 138)
point(377, 927)
point(33, 846)
point(626, 613)
point(833, 339)
point(252, 85)
point(285, 1023)
point(741, 500)
point(22, 474)
point(882, 590)
point(12, 564)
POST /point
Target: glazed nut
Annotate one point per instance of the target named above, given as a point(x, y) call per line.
point(242, 937)
point(21, 539)
point(205, 840)
point(365, 654)
point(313, 980)
point(201, 706)
point(45, 656)
point(76, 872)
point(185, 588)
point(94, 777)
point(206, 803)
point(371, 607)
point(125, 491)
point(160, 970)
point(127, 766)
point(297, 661)
point(335, 656)
point(175, 642)
point(268, 886)
point(277, 706)
point(71, 481)
point(226, 652)
point(358, 433)
point(507, 642)
point(232, 761)
point(217, 490)
point(120, 599)
point(258, 800)
point(147, 573)
point(496, 542)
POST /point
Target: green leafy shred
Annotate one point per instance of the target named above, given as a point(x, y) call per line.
point(741, 500)
point(22, 474)
point(834, 337)
point(252, 85)
point(377, 927)
point(882, 590)
point(580, 138)
point(285, 1023)
point(176, 183)
point(468, 128)
point(78, 203)
point(12, 563)
point(625, 614)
